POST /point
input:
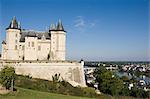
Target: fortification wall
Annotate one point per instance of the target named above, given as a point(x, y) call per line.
point(70, 71)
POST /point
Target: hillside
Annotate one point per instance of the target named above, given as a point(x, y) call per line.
point(32, 94)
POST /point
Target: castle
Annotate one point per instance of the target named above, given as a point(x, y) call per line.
point(40, 54)
point(24, 44)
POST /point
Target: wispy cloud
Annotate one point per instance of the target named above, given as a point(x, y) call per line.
point(82, 24)
point(79, 22)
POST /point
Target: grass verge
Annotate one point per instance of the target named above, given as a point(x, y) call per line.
point(22, 93)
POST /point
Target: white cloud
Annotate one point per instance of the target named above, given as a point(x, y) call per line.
point(82, 24)
point(79, 22)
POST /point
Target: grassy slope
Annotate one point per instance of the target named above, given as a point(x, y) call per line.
point(32, 94)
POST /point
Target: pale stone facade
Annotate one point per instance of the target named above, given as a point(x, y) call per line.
point(24, 44)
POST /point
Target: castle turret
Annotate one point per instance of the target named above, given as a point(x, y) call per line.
point(12, 39)
point(58, 42)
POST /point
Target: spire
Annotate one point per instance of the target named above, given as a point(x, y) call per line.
point(52, 27)
point(13, 24)
point(60, 26)
point(19, 25)
point(43, 37)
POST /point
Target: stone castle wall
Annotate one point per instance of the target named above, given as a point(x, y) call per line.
point(70, 71)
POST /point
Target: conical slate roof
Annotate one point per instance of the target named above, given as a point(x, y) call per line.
point(60, 26)
point(13, 24)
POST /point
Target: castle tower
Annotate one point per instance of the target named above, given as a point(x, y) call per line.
point(58, 42)
point(12, 40)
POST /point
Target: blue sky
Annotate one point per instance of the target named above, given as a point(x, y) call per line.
point(107, 30)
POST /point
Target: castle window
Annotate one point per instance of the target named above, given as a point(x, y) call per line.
point(16, 41)
point(20, 47)
point(16, 35)
point(28, 44)
point(39, 48)
point(15, 47)
point(23, 47)
point(32, 44)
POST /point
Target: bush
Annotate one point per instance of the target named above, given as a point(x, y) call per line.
point(61, 87)
point(89, 92)
point(135, 92)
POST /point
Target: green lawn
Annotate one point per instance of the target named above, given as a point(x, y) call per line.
point(32, 94)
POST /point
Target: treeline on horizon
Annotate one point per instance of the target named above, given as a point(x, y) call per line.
point(95, 63)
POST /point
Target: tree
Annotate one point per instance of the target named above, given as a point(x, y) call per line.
point(7, 77)
point(125, 91)
point(116, 86)
point(139, 93)
point(108, 83)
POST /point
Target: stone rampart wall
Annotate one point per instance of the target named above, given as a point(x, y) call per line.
point(70, 71)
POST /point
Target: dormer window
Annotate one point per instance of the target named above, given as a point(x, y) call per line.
point(43, 37)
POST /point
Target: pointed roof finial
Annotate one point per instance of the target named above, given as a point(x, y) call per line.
point(60, 26)
point(19, 25)
point(59, 20)
point(43, 37)
point(13, 24)
point(14, 17)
